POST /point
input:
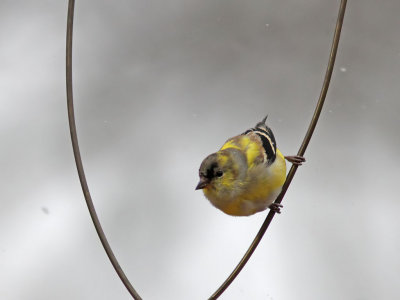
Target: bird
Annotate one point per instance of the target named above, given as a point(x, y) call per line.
point(247, 174)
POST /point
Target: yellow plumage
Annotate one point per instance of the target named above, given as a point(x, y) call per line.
point(246, 175)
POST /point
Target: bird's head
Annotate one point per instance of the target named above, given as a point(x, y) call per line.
point(218, 171)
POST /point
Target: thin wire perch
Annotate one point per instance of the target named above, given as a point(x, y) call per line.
point(302, 150)
point(264, 227)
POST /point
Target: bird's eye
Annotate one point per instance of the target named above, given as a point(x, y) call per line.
point(219, 173)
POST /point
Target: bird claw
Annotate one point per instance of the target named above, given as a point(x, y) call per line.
point(276, 207)
point(296, 159)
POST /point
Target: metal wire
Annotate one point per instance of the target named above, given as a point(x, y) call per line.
point(264, 227)
point(302, 150)
point(78, 160)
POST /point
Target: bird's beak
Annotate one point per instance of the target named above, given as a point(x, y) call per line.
point(204, 181)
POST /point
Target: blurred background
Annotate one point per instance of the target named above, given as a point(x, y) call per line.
point(158, 86)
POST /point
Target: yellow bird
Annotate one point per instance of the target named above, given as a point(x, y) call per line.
point(247, 174)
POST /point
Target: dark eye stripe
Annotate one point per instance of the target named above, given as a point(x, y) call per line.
point(210, 170)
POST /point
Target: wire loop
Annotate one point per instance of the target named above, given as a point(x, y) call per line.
point(264, 226)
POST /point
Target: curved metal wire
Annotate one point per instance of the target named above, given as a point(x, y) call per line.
point(264, 227)
point(302, 150)
point(78, 160)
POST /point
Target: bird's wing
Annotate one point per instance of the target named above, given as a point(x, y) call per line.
point(263, 134)
point(250, 146)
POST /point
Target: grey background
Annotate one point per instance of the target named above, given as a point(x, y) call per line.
point(158, 86)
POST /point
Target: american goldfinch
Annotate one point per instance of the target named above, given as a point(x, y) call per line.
point(247, 174)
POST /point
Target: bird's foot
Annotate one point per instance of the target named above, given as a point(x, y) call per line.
point(296, 159)
point(276, 207)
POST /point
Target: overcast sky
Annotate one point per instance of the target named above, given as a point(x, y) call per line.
point(158, 86)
